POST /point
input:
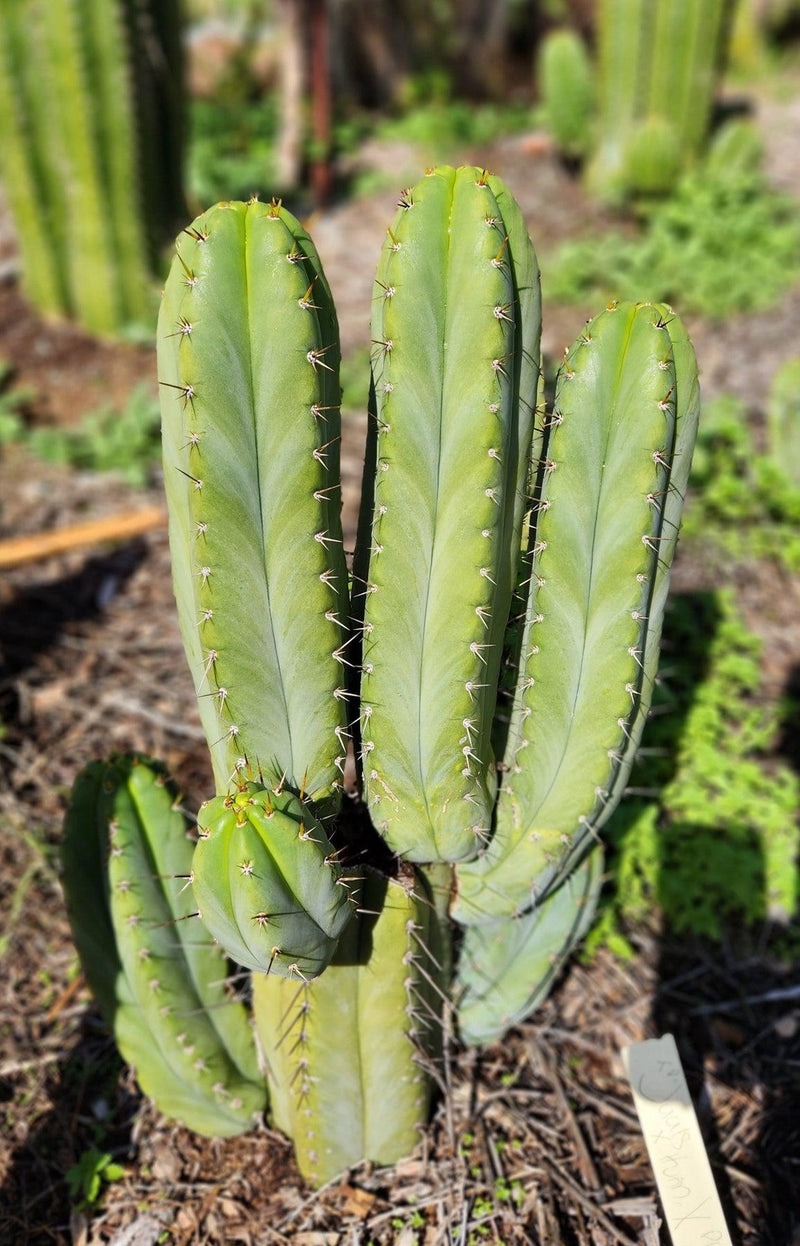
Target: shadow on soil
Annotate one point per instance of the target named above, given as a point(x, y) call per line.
point(730, 1005)
point(86, 1108)
point(32, 621)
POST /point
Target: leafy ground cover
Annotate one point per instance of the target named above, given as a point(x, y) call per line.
point(719, 245)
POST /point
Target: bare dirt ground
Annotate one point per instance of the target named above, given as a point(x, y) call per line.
point(537, 1140)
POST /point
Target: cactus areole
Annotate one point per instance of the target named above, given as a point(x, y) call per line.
point(490, 653)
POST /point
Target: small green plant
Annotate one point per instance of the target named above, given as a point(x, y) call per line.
point(718, 841)
point(231, 150)
point(87, 1179)
point(741, 501)
point(12, 405)
point(722, 244)
point(126, 442)
point(493, 654)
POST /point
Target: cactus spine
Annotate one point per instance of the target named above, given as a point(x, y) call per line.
point(500, 545)
point(73, 152)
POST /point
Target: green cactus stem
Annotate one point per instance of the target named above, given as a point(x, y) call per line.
point(605, 524)
point(158, 978)
point(506, 969)
point(248, 352)
point(566, 84)
point(658, 63)
point(455, 330)
point(266, 882)
point(73, 146)
point(348, 1054)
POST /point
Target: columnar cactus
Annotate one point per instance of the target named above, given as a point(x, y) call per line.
point(89, 150)
point(501, 546)
point(565, 76)
point(657, 67)
point(248, 357)
point(366, 1094)
point(456, 367)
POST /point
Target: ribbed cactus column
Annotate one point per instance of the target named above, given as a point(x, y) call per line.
point(624, 420)
point(157, 975)
point(75, 146)
point(248, 353)
point(455, 367)
point(658, 62)
point(348, 1054)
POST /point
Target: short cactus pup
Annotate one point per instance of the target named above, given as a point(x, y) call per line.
point(491, 654)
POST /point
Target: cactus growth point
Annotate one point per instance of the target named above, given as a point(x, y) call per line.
point(493, 662)
point(267, 883)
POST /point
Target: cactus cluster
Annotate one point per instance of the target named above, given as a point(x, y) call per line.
point(90, 149)
point(491, 652)
point(657, 63)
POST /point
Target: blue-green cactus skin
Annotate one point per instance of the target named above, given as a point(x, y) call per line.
point(605, 524)
point(455, 329)
point(507, 968)
point(248, 351)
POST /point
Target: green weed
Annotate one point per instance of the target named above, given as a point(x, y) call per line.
point(231, 150)
point(718, 245)
point(718, 840)
point(12, 406)
point(126, 441)
point(740, 500)
point(92, 1172)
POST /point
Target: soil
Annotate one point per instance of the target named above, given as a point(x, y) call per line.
point(537, 1140)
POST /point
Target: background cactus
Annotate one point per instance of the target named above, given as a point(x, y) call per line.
point(657, 67)
point(498, 543)
point(90, 150)
point(565, 77)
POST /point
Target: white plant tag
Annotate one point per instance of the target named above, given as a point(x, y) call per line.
point(677, 1152)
